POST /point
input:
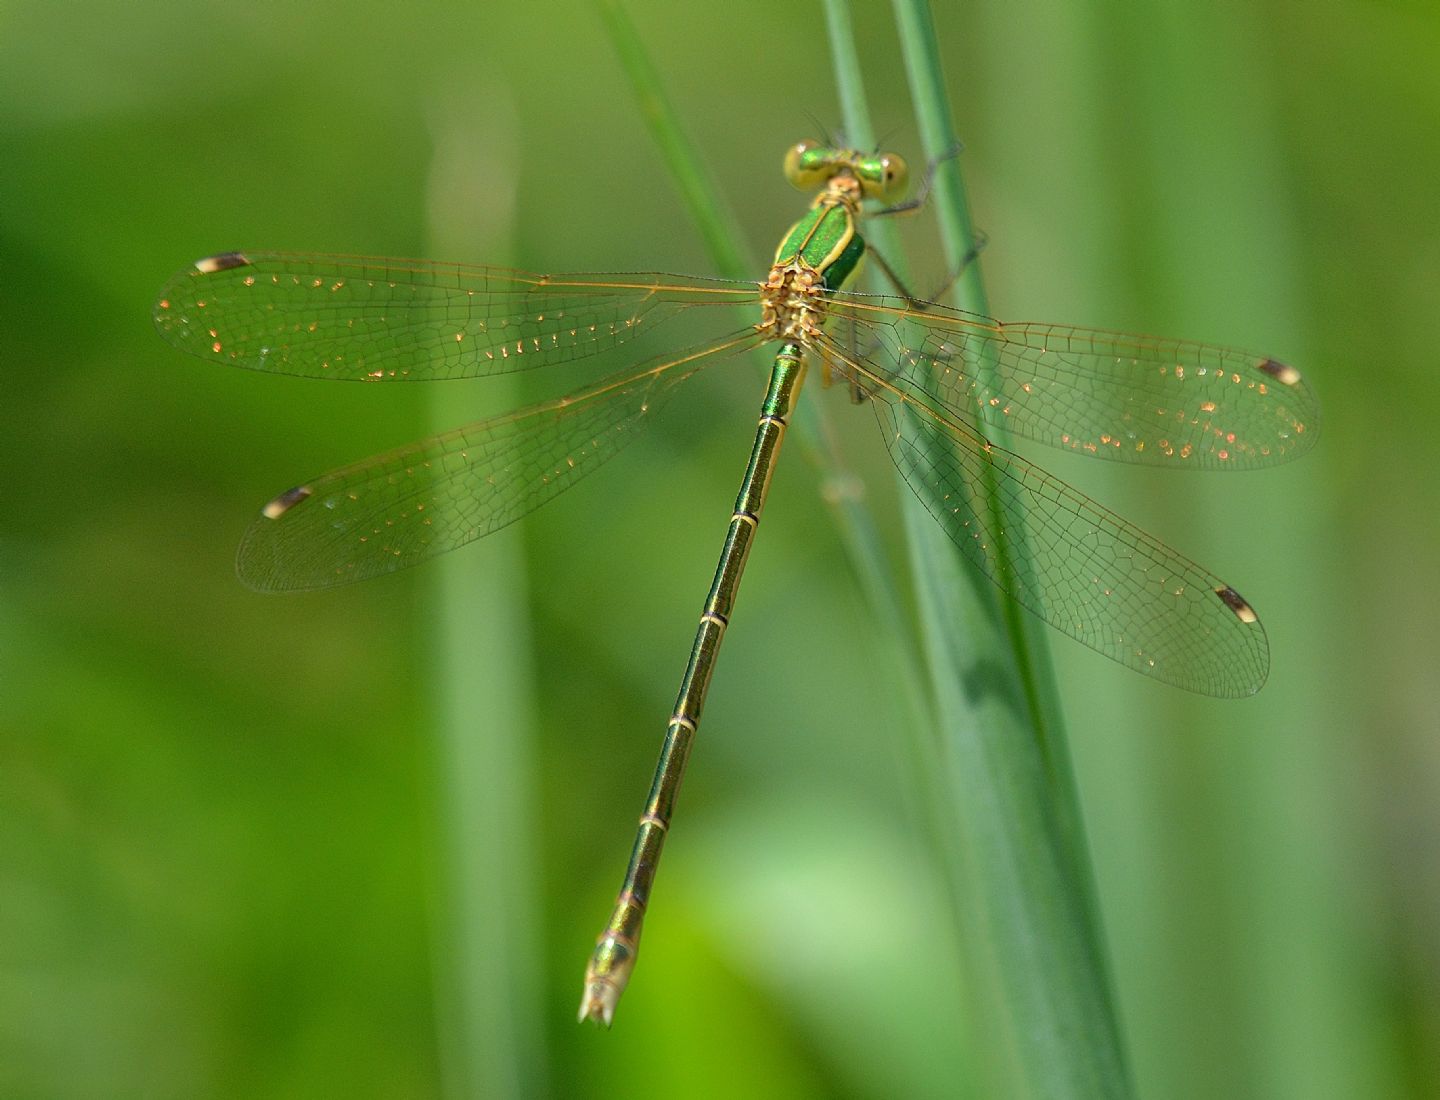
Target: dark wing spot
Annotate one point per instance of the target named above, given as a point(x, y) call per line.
point(285, 501)
point(1236, 603)
point(223, 262)
point(1281, 372)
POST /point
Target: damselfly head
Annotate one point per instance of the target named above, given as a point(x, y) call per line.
point(809, 166)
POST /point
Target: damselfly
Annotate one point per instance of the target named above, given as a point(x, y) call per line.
point(937, 378)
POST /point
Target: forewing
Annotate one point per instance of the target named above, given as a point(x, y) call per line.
point(1107, 394)
point(373, 319)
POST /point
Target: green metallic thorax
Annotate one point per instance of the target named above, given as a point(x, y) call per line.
point(825, 240)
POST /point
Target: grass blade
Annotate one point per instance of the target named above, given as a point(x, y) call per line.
point(487, 959)
point(1021, 875)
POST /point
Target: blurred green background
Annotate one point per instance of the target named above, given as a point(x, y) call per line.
point(259, 846)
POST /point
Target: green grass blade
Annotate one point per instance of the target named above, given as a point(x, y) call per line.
point(714, 218)
point(1026, 635)
point(487, 960)
point(1022, 874)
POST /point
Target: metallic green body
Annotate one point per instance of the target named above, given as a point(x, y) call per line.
point(617, 947)
point(825, 240)
point(824, 243)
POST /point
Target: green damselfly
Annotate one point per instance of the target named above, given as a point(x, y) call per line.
point(937, 378)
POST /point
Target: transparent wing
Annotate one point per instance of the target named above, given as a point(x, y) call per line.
point(1108, 394)
point(400, 508)
point(368, 319)
point(1083, 569)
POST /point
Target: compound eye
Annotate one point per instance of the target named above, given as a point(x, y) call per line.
point(884, 176)
point(896, 176)
point(807, 165)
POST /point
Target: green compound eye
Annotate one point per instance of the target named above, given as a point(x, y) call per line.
point(808, 165)
point(882, 177)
